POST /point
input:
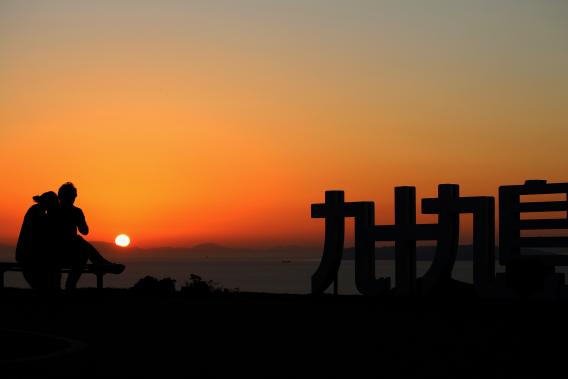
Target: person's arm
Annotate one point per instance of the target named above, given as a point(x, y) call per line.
point(81, 222)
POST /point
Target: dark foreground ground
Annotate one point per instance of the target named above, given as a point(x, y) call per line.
point(125, 334)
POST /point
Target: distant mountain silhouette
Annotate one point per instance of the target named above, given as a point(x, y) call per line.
point(423, 253)
point(426, 253)
point(213, 250)
point(210, 247)
point(204, 250)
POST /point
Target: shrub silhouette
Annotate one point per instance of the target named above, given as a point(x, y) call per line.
point(196, 286)
point(149, 284)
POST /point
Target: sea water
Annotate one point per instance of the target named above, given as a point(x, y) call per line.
point(249, 274)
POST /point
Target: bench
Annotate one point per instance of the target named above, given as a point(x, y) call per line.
point(99, 270)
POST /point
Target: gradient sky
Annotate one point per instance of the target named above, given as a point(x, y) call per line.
point(185, 122)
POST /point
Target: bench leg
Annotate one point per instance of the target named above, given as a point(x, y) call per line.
point(100, 281)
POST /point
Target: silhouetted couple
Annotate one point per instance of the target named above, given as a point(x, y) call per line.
point(49, 241)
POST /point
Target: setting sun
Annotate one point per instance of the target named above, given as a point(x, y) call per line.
point(122, 240)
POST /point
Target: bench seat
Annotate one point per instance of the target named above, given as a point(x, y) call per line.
point(99, 270)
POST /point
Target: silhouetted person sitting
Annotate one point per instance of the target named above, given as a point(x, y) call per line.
point(75, 251)
point(36, 247)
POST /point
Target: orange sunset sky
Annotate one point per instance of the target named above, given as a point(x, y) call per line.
point(184, 122)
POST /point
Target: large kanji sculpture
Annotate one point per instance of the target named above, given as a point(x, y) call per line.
point(526, 274)
point(405, 233)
